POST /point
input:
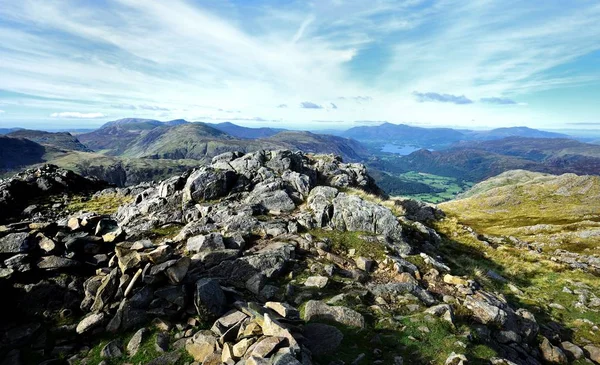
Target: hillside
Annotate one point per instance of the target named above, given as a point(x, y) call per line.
point(59, 140)
point(143, 138)
point(191, 140)
point(476, 161)
point(245, 132)
point(113, 138)
point(547, 210)
point(349, 149)
point(19, 152)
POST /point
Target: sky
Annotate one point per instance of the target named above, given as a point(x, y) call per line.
point(301, 64)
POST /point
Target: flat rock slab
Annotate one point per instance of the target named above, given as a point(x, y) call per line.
point(316, 310)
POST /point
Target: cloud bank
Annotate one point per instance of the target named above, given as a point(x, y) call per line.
point(77, 115)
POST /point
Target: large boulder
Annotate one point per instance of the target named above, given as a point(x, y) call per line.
point(208, 183)
point(351, 213)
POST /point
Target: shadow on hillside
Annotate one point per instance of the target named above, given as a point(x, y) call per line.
point(472, 262)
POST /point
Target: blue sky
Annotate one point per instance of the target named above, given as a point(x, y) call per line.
point(321, 64)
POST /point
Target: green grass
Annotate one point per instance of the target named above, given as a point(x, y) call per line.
point(168, 231)
point(145, 354)
point(447, 187)
point(403, 337)
point(342, 242)
point(105, 204)
point(540, 279)
point(559, 211)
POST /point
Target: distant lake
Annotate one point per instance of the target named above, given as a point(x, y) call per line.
point(400, 150)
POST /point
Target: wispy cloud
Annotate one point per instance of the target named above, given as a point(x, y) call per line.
point(231, 56)
point(310, 105)
point(153, 107)
point(584, 123)
point(441, 98)
point(124, 106)
point(2, 112)
point(333, 106)
point(77, 115)
point(498, 101)
point(282, 106)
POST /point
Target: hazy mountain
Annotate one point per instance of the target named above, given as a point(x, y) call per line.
point(320, 143)
point(8, 130)
point(538, 149)
point(500, 133)
point(476, 161)
point(405, 134)
point(245, 132)
point(58, 140)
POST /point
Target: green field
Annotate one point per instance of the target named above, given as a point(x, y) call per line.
point(437, 188)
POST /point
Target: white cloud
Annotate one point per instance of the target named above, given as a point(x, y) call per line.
point(2, 112)
point(106, 58)
point(77, 115)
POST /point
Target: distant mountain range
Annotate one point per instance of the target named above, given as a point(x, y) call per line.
point(144, 138)
point(131, 150)
point(8, 130)
point(436, 138)
point(500, 133)
point(479, 160)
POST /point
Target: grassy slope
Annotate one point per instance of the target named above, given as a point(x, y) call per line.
point(540, 279)
point(560, 211)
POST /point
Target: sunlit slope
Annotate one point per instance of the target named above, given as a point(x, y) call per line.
point(557, 211)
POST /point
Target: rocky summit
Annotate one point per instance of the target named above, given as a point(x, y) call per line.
point(271, 257)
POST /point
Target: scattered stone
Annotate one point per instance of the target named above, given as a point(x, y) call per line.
point(209, 298)
point(316, 281)
point(212, 241)
point(177, 272)
point(551, 353)
point(571, 350)
point(90, 322)
point(593, 352)
point(283, 309)
point(136, 341)
point(318, 310)
point(364, 263)
point(240, 348)
point(201, 347)
point(15, 243)
point(266, 346)
point(456, 359)
point(162, 342)
point(454, 280)
point(111, 350)
point(322, 339)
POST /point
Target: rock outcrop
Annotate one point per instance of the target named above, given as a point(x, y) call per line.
point(230, 263)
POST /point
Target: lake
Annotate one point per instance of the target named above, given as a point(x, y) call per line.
point(399, 150)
